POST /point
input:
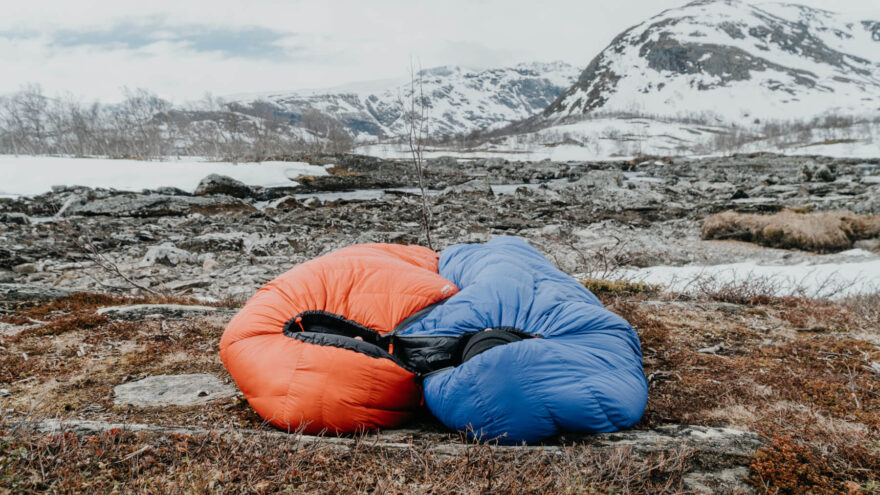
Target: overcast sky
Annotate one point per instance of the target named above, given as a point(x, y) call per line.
point(182, 49)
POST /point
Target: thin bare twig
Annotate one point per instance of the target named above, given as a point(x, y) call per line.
point(416, 136)
point(93, 254)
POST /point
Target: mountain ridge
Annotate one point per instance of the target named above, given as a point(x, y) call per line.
point(781, 56)
point(458, 100)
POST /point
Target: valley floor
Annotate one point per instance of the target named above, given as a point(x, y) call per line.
point(625, 138)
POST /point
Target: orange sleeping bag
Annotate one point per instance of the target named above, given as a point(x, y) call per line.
point(309, 352)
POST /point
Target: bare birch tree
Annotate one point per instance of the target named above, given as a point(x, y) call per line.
point(417, 127)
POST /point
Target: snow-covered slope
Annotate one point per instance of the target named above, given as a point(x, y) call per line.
point(458, 100)
point(733, 62)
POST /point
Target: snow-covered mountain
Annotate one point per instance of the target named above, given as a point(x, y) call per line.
point(458, 100)
point(729, 61)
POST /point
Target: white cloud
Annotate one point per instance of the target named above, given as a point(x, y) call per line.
point(180, 51)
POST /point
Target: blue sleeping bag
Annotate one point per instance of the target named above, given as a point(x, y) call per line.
point(541, 355)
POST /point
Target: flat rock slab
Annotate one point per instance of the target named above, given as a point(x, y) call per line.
point(10, 330)
point(16, 296)
point(144, 311)
point(27, 292)
point(173, 390)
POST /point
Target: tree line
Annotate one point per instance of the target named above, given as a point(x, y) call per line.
point(145, 126)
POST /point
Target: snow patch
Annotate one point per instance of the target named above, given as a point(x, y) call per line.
point(837, 276)
point(32, 175)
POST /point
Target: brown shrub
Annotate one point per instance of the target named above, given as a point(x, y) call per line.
point(602, 287)
point(81, 320)
point(653, 333)
point(864, 310)
point(74, 302)
point(809, 453)
point(342, 172)
point(786, 466)
point(818, 232)
point(817, 316)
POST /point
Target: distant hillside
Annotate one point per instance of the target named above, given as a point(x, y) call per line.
point(459, 100)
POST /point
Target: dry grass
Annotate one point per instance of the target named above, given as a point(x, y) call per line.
point(342, 172)
point(126, 462)
point(817, 232)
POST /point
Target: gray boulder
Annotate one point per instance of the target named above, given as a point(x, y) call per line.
point(475, 186)
point(222, 184)
point(25, 268)
point(167, 254)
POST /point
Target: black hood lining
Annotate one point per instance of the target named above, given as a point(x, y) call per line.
point(421, 355)
point(333, 330)
point(331, 323)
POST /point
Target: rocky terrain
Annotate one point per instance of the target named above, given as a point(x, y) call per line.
point(227, 239)
point(113, 303)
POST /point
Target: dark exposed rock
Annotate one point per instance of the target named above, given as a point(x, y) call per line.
point(215, 241)
point(157, 205)
point(15, 295)
point(184, 286)
point(15, 217)
point(170, 191)
point(346, 182)
point(12, 257)
point(824, 173)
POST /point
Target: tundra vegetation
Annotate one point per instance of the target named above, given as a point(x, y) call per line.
point(800, 371)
